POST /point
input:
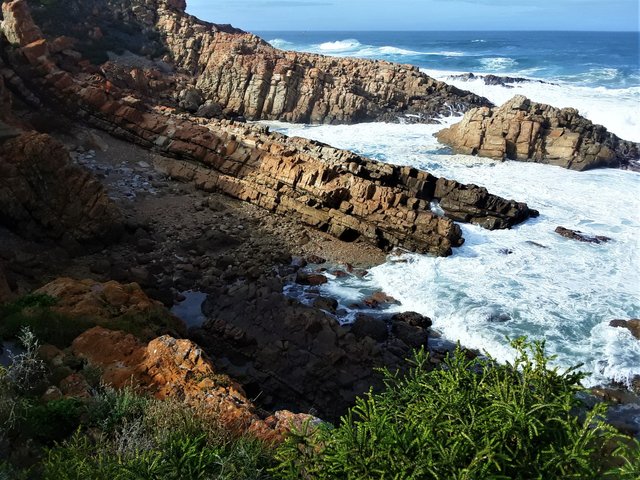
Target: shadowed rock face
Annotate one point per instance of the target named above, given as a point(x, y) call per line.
point(43, 195)
point(533, 132)
point(243, 75)
point(334, 190)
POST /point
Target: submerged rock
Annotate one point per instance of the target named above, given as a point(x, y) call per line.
point(581, 237)
point(534, 132)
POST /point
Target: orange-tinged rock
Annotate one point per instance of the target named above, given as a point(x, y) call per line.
point(179, 369)
point(106, 301)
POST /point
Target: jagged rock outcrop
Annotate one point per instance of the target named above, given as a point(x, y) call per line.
point(334, 190)
point(42, 194)
point(293, 355)
point(112, 304)
point(534, 132)
point(179, 369)
point(244, 75)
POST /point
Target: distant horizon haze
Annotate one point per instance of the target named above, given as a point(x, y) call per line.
point(421, 15)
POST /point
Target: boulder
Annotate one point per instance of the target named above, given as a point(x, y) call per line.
point(632, 325)
point(367, 326)
point(534, 132)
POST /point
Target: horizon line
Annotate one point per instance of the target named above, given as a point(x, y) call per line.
point(451, 30)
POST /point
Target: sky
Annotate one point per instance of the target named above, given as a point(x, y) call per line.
point(343, 15)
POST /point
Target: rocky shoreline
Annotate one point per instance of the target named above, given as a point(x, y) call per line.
point(142, 171)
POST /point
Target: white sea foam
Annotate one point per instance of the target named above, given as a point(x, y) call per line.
point(557, 289)
point(498, 63)
point(282, 44)
point(616, 109)
point(353, 48)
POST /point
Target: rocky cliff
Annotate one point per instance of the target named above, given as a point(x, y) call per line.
point(334, 190)
point(533, 132)
point(240, 74)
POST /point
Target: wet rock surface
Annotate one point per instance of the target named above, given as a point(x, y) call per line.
point(632, 325)
point(534, 132)
point(580, 236)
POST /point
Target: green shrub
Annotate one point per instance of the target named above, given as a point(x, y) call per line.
point(151, 439)
point(54, 420)
point(471, 419)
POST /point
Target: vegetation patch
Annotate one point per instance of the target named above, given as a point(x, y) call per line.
point(470, 419)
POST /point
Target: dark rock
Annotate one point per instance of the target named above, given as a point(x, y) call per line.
point(412, 318)
point(312, 279)
point(100, 266)
point(315, 260)
point(379, 299)
point(326, 303)
point(581, 237)
point(632, 325)
point(367, 326)
point(145, 245)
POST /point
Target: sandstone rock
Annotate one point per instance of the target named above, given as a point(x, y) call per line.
point(178, 369)
point(632, 325)
point(107, 303)
point(581, 237)
point(17, 24)
point(347, 195)
point(43, 195)
point(528, 131)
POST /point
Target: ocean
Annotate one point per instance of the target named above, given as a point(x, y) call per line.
point(528, 280)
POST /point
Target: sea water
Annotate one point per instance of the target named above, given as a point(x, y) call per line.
point(527, 280)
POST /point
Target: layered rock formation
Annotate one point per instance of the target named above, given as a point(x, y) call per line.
point(334, 190)
point(178, 369)
point(243, 75)
point(528, 131)
point(43, 195)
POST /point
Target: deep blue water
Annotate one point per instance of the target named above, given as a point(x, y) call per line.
point(608, 59)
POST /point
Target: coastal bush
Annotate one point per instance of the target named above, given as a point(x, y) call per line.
point(470, 419)
point(143, 438)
